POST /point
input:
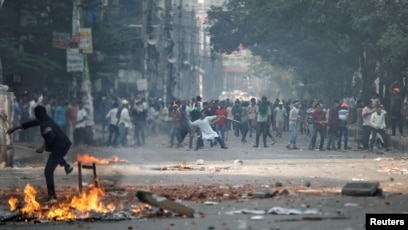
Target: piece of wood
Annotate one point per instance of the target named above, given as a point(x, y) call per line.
point(114, 189)
point(164, 203)
point(233, 120)
point(10, 216)
point(18, 147)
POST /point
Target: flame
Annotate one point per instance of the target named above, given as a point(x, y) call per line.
point(91, 201)
point(13, 202)
point(115, 158)
point(182, 165)
point(31, 204)
point(141, 210)
point(88, 159)
point(78, 206)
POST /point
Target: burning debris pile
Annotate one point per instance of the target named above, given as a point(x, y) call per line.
point(93, 204)
point(80, 206)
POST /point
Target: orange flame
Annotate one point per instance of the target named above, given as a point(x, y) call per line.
point(91, 201)
point(88, 159)
point(31, 204)
point(13, 202)
point(80, 205)
point(182, 165)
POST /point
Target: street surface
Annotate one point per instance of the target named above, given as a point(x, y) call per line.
point(239, 167)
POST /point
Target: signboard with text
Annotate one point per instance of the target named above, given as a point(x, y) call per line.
point(75, 60)
point(61, 40)
point(85, 41)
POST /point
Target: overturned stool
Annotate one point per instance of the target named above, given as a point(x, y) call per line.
point(95, 178)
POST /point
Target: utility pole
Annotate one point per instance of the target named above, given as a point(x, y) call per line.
point(144, 37)
point(146, 6)
point(169, 79)
point(181, 40)
point(193, 43)
point(85, 84)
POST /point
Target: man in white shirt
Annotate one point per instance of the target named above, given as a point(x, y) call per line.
point(378, 126)
point(252, 116)
point(280, 114)
point(293, 120)
point(124, 123)
point(113, 124)
point(79, 126)
point(366, 113)
point(207, 132)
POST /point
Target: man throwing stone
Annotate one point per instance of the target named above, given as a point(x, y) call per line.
point(207, 133)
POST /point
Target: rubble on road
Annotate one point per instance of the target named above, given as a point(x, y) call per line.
point(164, 203)
point(361, 189)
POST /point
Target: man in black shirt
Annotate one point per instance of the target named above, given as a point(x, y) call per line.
point(139, 120)
point(55, 141)
point(194, 130)
point(395, 111)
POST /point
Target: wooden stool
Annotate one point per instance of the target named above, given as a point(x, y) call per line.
point(95, 178)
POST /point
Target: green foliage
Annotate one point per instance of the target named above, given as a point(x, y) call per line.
point(15, 60)
point(120, 43)
point(325, 42)
point(37, 55)
point(120, 46)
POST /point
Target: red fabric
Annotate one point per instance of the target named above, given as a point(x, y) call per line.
point(221, 112)
point(176, 116)
point(318, 116)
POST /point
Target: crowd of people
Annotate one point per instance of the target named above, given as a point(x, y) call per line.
point(128, 121)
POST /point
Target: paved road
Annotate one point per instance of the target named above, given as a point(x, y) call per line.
point(327, 172)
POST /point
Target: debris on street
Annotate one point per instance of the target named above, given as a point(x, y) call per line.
point(361, 189)
point(392, 169)
point(164, 203)
point(276, 211)
point(291, 211)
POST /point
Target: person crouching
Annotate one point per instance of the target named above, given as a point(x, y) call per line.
point(207, 132)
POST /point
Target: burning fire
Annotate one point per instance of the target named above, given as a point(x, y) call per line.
point(182, 165)
point(88, 159)
point(13, 202)
point(79, 206)
point(91, 201)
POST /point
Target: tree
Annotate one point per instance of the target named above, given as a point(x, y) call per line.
point(292, 42)
point(325, 42)
point(115, 37)
point(13, 57)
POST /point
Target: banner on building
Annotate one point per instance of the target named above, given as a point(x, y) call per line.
point(61, 40)
point(85, 43)
point(76, 24)
point(75, 60)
